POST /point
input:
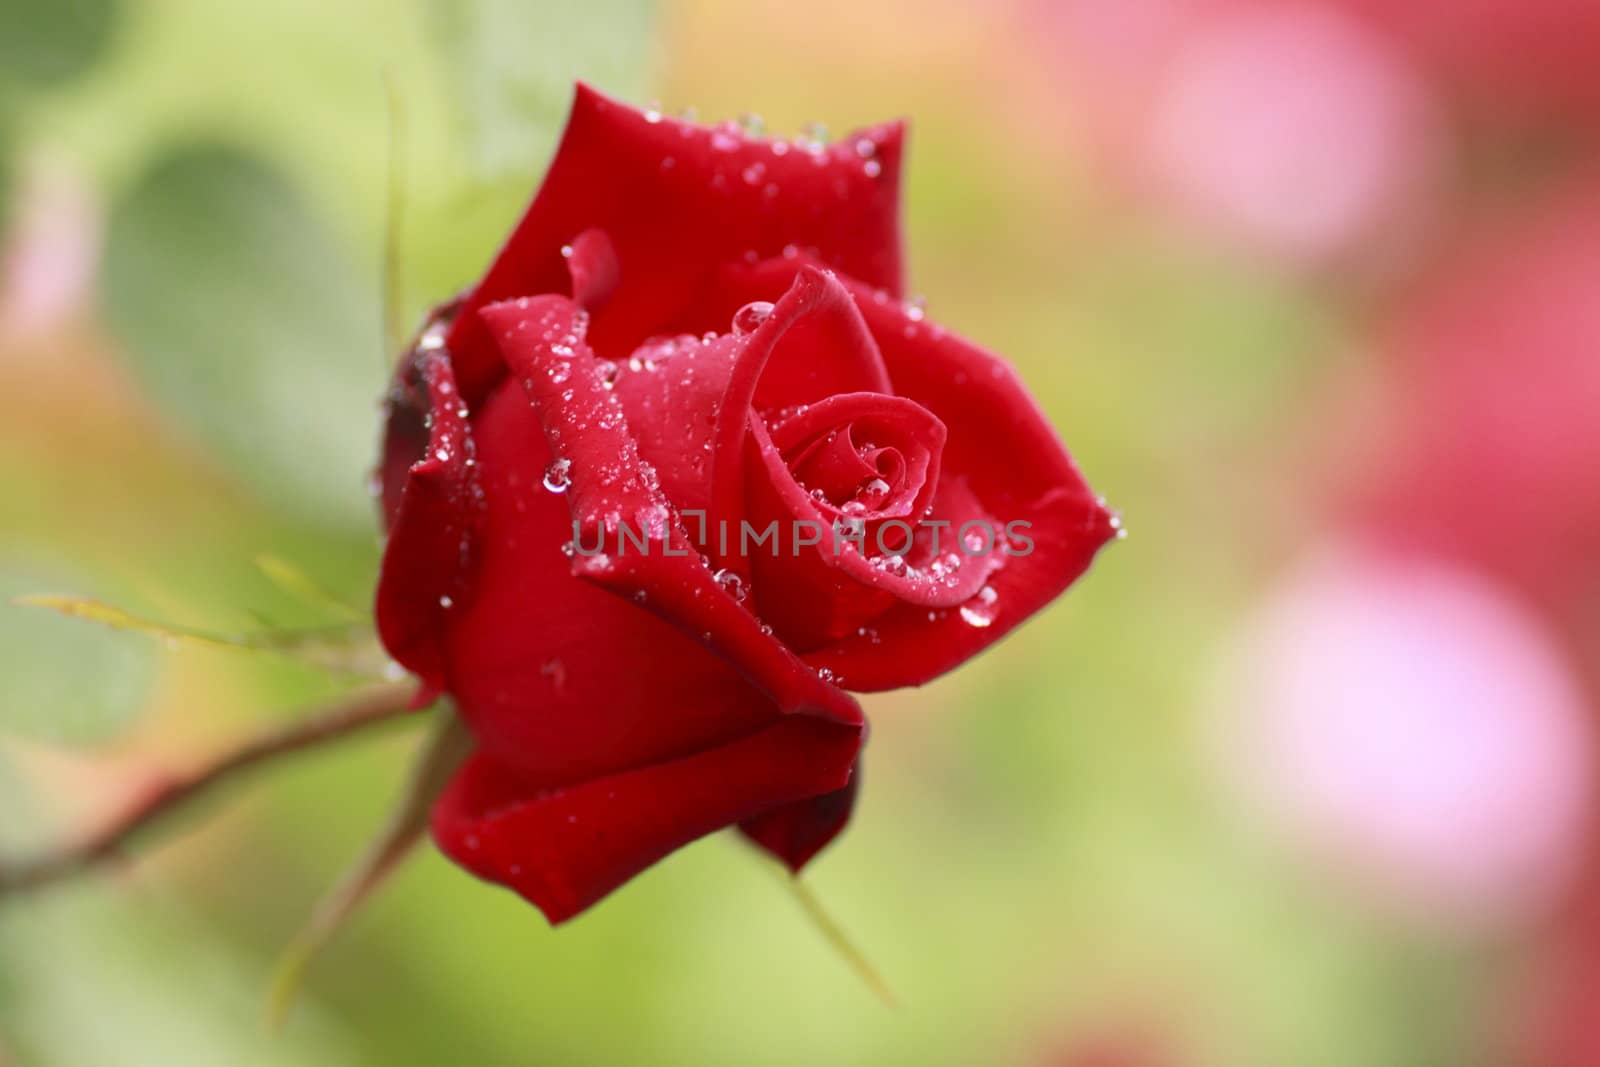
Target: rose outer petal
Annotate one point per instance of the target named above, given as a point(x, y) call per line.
point(431, 550)
point(564, 848)
point(798, 831)
point(678, 200)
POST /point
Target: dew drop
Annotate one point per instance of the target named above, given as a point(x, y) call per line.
point(732, 584)
point(873, 493)
point(750, 317)
point(890, 563)
point(981, 609)
point(558, 476)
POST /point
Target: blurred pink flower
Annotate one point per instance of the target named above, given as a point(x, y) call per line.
point(1505, 55)
point(1411, 725)
point(1490, 444)
point(1292, 129)
point(50, 252)
point(1115, 1044)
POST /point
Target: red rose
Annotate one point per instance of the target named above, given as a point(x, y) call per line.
point(566, 479)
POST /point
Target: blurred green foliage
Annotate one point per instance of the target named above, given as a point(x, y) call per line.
point(47, 44)
point(513, 64)
point(66, 683)
point(245, 320)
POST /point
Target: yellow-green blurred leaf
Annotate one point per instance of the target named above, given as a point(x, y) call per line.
point(344, 649)
point(66, 683)
point(249, 326)
point(45, 44)
point(513, 64)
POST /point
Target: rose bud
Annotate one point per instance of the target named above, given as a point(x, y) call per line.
point(694, 338)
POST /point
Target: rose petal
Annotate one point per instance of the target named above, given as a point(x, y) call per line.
point(559, 677)
point(796, 832)
point(610, 487)
point(1001, 450)
point(592, 265)
point(678, 200)
point(686, 400)
point(815, 594)
point(433, 536)
point(564, 847)
point(1005, 453)
point(812, 346)
point(917, 439)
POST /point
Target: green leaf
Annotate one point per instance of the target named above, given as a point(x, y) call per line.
point(300, 585)
point(247, 324)
point(513, 63)
point(348, 648)
point(66, 683)
point(47, 44)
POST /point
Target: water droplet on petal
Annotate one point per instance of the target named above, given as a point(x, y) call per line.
point(981, 610)
point(732, 584)
point(873, 493)
point(750, 317)
point(558, 476)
